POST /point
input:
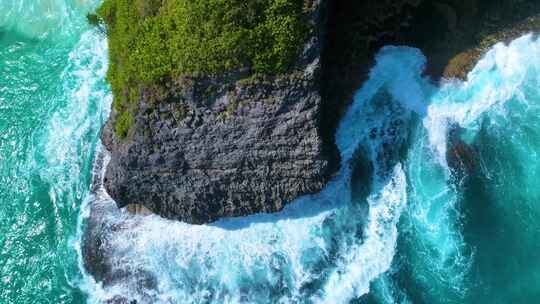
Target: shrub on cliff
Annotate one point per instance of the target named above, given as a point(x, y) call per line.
point(154, 40)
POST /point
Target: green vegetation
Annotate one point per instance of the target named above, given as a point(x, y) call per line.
point(151, 41)
point(123, 123)
point(93, 19)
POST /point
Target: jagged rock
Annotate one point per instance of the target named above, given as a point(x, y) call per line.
point(460, 156)
point(204, 148)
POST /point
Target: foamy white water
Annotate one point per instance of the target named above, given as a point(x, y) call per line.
point(302, 253)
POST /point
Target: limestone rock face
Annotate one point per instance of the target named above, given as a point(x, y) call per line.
point(245, 150)
point(205, 148)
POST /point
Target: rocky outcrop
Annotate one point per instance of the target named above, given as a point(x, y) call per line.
point(204, 148)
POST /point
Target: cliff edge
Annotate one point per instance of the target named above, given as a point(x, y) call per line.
point(203, 146)
point(235, 112)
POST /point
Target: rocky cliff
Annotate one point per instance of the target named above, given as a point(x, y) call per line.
point(206, 147)
point(202, 148)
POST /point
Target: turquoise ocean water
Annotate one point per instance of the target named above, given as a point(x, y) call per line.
point(403, 222)
point(53, 100)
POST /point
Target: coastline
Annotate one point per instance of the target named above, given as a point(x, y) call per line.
point(105, 218)
point(461, 64)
